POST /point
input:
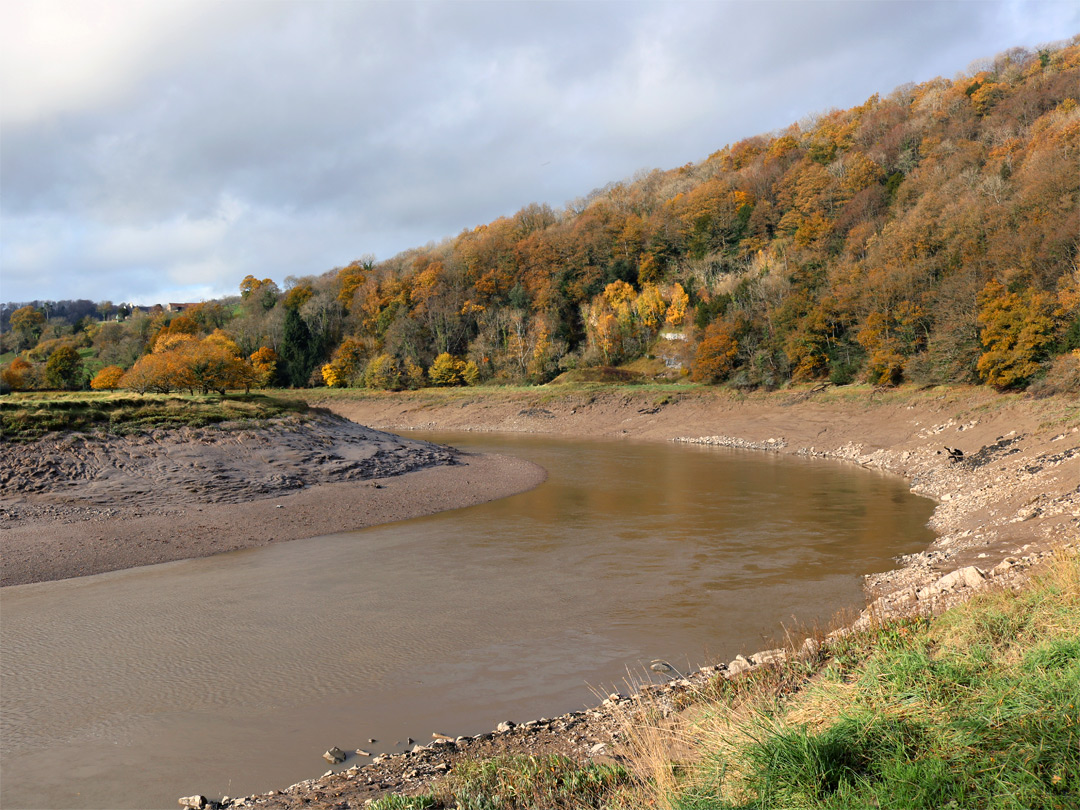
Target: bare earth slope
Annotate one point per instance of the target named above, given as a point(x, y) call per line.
point(77, 504)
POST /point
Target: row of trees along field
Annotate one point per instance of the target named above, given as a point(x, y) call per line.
point(930, 236)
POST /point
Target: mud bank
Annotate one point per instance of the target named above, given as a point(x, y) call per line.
point(1005, 502)
point(78, 504)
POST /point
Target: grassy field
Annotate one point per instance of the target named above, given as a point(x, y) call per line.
point(977, 708)
point(24, 417)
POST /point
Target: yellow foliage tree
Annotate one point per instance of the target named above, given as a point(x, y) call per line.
point(1016, 332)
point(332, 377)
point(676, 311)
point(447, 370)
point(264, 362)
point(383, 372)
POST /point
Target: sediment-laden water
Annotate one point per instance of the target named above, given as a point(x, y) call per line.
point(232, 674)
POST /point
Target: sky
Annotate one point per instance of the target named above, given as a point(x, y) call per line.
point(161, 151)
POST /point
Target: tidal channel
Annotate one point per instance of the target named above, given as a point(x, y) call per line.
point(232, 674)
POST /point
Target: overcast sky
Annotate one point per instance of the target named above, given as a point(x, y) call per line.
point(161, 151)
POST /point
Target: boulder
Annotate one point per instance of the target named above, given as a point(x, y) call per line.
point(738, 666)
point(776, 656)
point(334, 756)
point(970, 577)
point(197, 802)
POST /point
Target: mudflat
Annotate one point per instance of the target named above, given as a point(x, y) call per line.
point(78, 504)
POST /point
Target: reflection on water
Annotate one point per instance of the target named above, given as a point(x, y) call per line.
point(232, 674)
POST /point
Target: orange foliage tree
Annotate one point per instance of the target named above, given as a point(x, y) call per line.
point(108, 379)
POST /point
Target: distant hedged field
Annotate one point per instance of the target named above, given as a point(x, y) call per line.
point(930, 236)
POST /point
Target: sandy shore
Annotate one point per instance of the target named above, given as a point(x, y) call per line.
point(78, 505)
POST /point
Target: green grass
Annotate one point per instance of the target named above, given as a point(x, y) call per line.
point(979, 708)
point(25, 417)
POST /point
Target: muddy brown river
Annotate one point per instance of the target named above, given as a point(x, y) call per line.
point(232, 674)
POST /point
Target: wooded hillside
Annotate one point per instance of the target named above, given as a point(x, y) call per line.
point(931, 236)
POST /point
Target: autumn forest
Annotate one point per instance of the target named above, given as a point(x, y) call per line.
point(928, 236)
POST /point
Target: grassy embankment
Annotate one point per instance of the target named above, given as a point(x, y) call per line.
point(24, 417)
point(976, 708)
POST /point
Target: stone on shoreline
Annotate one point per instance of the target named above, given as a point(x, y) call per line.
point(334, 756)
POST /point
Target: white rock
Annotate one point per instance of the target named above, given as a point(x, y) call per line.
point(334, 756)
point(769, 656)
point(739, 665)
point(197, 802)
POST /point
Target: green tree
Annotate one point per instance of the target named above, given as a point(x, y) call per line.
point(297, 351)
point(64, 369)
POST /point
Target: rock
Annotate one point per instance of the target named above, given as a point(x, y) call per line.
point(738, 666)
point(334, 756)
point(1003, 566)
point(505, 726)
point(969, 577)
point(769, 656)
point(360, 752)
point(598, 750)
point(197, 802)
point(442, 766)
